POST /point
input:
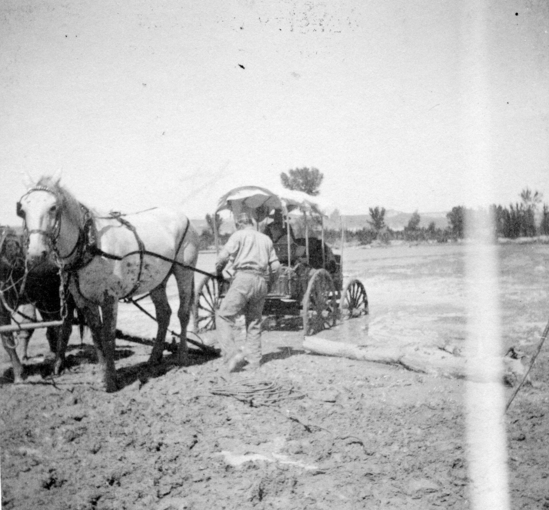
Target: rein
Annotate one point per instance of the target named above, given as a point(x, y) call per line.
point(100, 253)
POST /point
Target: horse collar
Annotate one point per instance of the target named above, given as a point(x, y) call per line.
point(85, 248)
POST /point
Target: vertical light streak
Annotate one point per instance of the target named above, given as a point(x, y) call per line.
point(484, 398)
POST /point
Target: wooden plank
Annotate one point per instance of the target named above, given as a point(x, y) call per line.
point(10, 328)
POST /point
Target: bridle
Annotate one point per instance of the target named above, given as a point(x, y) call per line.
point(52, 234)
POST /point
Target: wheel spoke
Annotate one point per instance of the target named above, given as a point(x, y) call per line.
point(211, 292)
point(208, 308)
point(320, 303)
point(206, 304)
point(355, 300)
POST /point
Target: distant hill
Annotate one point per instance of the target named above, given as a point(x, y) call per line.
point(395, 220)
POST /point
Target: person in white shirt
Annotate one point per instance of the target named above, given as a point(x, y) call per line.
point(253, 259)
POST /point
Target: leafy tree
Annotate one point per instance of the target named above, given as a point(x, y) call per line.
point(515, 221)
point(413, 223)
point(307, 180)
point(378, 218)
point(498, 214)
point(530, 203)
point(544, 223)
point(456, 220)
point(364, 236)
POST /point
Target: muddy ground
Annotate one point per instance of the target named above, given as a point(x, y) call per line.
point(336, 433)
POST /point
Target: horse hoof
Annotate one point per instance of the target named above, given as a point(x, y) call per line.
point(58, 368)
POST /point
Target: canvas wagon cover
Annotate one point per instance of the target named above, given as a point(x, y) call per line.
point(260, 201)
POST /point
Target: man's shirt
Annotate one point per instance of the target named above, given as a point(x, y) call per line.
point(248, 249)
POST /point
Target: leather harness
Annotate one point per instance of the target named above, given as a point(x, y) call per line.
point(86, 247)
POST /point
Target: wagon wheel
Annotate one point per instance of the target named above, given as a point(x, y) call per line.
point(319, 303)
point(206, 303)
point(354, 300)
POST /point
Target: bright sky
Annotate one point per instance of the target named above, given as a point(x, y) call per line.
point(144, 103)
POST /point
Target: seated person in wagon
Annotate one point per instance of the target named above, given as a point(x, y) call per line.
point(277, 231)
point(316, 246)
point(316, 259)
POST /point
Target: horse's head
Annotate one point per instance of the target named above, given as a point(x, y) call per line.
point(40, 209)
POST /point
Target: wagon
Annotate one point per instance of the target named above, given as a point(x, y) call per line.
point(310, 284)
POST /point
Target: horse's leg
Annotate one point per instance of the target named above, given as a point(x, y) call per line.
point(185, 286)
point(9, 344)
point(96, 318)
point(22, 338)
point(109, 311)
point(25, 313)
point(63, 336)
point(163, 314)
point(53, 335)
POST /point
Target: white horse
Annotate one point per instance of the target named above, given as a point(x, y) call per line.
point(111, 257)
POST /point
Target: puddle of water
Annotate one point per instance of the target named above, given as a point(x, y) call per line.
point(237, 459)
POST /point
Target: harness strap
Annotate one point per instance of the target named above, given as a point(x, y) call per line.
point(101, 253)
point(95, 251)
point(141, 251)
point(86, 237)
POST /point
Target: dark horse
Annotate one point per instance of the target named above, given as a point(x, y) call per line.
point(41, 288)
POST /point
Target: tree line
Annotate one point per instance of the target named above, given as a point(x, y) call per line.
point(528, 217)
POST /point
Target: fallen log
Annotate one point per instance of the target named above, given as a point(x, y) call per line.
point(424, 360)
point(417, 360)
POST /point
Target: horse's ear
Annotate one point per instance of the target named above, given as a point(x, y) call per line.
point(28, 181)
point(56, 177)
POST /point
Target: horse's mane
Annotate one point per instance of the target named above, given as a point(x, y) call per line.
point(69, 204)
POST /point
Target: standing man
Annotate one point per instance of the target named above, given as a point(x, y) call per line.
point(253, 259)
